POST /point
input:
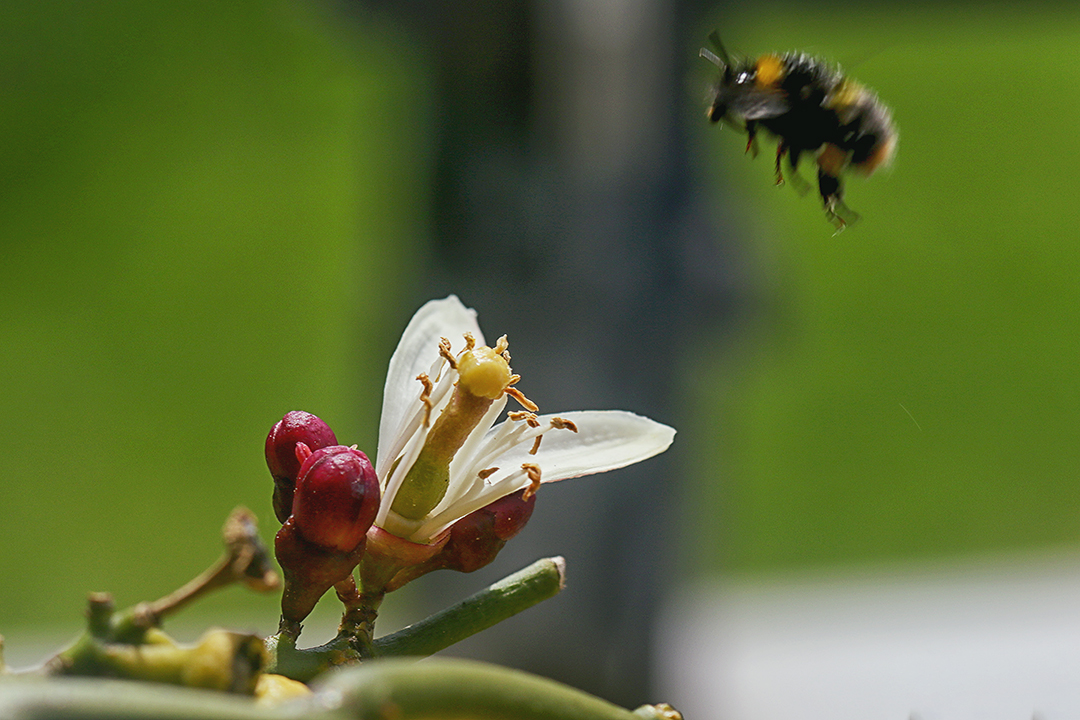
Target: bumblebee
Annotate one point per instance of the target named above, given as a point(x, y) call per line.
point(811, 107)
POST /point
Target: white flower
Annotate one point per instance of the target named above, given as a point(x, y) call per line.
point(494, 460)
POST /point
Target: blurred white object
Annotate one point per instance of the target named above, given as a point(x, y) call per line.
point(993, 638)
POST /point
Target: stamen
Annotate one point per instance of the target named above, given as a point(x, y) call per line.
point(425, 397)
point(532, 472)
point(470, 341)
point(524, 416)
point(497, 441)
point(445, 354)
point(536, 444)
point(444, 384)
point(513, 378)
point(563, 424)
point(485, 474)
point(501, 345)
point(508, 435)
point(522, 400)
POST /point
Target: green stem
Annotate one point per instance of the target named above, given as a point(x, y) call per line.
point(303, 664)
point(451, 689)
point(520, 591)
point(246, 561)
point(514, 593)
point(85, 699)
point(130, 643)
point(438, 689)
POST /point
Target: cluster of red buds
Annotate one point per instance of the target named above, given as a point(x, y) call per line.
point(327, 496)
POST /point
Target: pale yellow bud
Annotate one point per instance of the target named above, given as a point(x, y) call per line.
point(224, 660)
point(273, 689)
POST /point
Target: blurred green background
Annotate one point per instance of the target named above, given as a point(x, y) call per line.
point(215, 213)
point(204, 207)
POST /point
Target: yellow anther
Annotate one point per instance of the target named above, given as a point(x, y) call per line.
point(520, 397)
point(445, 354)
point(563, 424)
point(532, 471)
point(524, 416)
point(425, 396)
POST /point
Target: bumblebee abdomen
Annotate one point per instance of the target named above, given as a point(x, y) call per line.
point(867, 129)
point(880, 155)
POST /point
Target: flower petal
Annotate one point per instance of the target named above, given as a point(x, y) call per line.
point(605, 440)
point(417, 350)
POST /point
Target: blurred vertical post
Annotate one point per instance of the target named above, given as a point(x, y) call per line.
point(564, 215)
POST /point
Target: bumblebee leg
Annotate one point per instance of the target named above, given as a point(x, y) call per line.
point(837, 221)
point(846, 215)
point(781, 149)
point(801, 186)
point(836, 211)
point(751, 137)
point(829, 187)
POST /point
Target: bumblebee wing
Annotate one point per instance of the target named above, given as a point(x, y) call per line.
point(761, 106)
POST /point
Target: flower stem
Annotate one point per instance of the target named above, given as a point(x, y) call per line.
point(305, 663)
point(514, 593)
point(361, 611)
point(520, 591)
point(245, 560)
point(119, 642)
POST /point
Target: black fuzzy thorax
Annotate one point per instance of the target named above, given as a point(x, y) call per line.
point(809, 124)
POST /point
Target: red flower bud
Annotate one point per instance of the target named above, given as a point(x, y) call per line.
point(309, 570)
point(474, 540)
point(336, 498)
point(296, 427)
point(334, 504)
point(478, 537)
